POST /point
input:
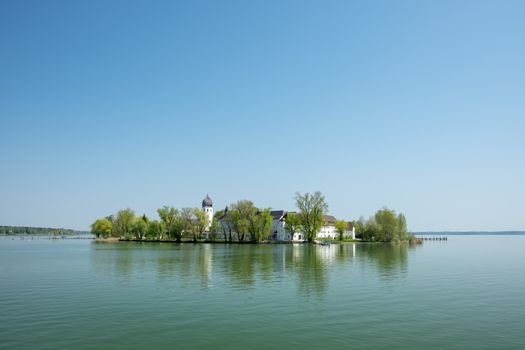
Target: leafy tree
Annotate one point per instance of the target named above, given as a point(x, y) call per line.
point(312, 208)
point(200, 223)
point(402, 226)
point(386, 226)
point(155, 229)
point(102, 228)
point(371, 230)
point(214, 230)
point(261, 225)
point(123, 224)
point(341, 226)
point(186, 222)
point(292, 224)
point(168, 215)
point(359, 226)
point(242, 214)
point(140, 227)
point(177, 229)
point(219, 226)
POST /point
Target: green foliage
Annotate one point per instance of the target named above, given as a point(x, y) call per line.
point(186, 225)
point(247, 220)
point(312, 208)
point(214, 229)
point(16, 230)
point(140, 227)
point(123, 224)
point(261, 225)
point(102, 228)
point(292, 224)
point(242, 214)
point(359, 226)
point(155, 229)
point(225, 225)
point(168, 215)
point(341, 226)
point(384, 226)
point(199, 223)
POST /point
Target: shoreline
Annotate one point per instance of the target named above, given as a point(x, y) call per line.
point(316, 242)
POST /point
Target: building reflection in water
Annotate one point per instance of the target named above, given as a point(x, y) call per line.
point(247, 265)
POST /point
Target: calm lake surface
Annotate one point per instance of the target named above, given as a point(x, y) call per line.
point(464, 293)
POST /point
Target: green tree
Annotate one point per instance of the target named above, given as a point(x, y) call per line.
point(214, 230)
point(140, 227)
point(386, 226)
point(200, 223)
point(186, 222)
point(155, 229)
point(359, 226)
point(242, 214)
point(386, 220)
point(260, 225)
point(217, 226)
point(402, 226)
point(123, 224)
point(168, 215)
point(371, 230)
point(292, 224)
point(312, 208)
point(341, 226)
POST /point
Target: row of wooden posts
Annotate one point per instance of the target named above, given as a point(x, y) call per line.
point(433, 238)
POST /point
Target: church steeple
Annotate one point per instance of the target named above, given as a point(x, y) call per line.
point(207, 202)
point(207, 207)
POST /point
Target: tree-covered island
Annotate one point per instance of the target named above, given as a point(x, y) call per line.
point(36, 231)
point(242, 221)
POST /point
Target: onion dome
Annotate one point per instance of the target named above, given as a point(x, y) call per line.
point(207, 202)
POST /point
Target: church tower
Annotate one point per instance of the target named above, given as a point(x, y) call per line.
point(207, 207)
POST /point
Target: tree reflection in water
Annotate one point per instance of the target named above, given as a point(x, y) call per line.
point(389, 259)
point(247, 265)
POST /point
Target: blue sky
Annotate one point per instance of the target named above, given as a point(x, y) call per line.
point(416, 105)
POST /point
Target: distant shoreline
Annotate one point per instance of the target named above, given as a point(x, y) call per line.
point(471, 233)
point(38, 231)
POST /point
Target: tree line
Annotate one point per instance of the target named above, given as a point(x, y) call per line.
point(242, 221)
point(173, 224)
point(17, 230)
point(384, 226)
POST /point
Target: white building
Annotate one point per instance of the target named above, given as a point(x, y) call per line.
point(207, 207)
point(329, 231)
point(279, 231)
point(278, 226)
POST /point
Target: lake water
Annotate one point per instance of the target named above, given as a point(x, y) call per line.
point(464, 293)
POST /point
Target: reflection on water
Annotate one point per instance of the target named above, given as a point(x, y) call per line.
point(244, 265)
point(74, 294)
point(390, 259)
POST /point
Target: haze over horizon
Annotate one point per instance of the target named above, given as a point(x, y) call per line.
point(418, 106)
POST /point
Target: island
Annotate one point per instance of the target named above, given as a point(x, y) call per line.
point(243, 222)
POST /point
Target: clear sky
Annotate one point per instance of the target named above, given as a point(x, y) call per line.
point(414, 105)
